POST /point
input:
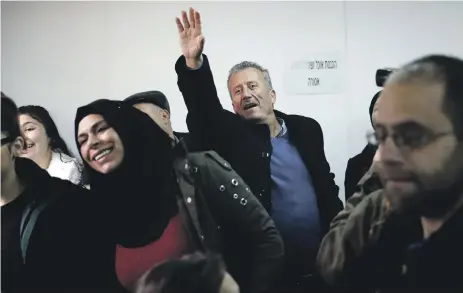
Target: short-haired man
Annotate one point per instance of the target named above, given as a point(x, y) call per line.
point(408, 235)
point(280, 156)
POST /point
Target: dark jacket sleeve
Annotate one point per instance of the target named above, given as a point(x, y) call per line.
point(207, 120)
point(331, 197)
point(349, 185)
point(236, 208)
point(198, 89)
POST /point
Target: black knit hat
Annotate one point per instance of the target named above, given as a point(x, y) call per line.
point(153, 97)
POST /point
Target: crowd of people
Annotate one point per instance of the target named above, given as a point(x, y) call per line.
point(243, 202)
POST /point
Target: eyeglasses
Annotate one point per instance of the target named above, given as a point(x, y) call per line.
point(6, 140)
point(409, 139)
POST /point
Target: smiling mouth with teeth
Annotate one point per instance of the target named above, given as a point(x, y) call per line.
point(29, 145)
point(102, 154)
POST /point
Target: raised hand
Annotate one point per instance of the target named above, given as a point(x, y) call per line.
point(191, 38)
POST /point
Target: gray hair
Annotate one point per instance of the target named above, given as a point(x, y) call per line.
point(248, 64)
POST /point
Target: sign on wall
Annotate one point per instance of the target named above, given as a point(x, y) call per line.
point(318, 74)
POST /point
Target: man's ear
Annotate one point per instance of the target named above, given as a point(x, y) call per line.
point(165, 114)
point(19, 148)
point(273, 96)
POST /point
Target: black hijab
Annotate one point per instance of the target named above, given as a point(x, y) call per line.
point(146, 171)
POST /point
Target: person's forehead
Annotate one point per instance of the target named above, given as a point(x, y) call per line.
point(26, 118)
point(145, 106)
point(88, 121)
point(418, 102)
point(247, 74)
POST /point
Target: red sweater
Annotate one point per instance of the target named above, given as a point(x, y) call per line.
point(132, 263)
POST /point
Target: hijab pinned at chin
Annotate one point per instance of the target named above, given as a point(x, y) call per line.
point(146, 170)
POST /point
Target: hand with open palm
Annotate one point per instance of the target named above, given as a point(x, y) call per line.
point(191, 38)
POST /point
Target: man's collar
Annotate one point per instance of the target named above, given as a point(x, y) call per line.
point(180, 148)
point(283, 129)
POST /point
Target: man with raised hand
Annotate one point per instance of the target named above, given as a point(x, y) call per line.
point(280, 156)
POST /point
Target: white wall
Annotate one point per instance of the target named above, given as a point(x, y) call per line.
point(62, 55)
point(388, 34)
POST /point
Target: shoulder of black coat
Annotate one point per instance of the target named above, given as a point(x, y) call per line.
point(208, 158)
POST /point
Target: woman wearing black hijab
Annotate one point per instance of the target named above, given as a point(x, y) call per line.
point(176, 203)
point(144, 160)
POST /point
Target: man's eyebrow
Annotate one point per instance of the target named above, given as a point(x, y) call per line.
point(409, 125)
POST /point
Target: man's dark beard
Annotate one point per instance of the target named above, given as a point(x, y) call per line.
point(438, 202)
point(432, 203)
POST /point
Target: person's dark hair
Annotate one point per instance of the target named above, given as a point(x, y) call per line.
point(443, 69)
point(10, 123)
point(195, 273)
point(40, 114)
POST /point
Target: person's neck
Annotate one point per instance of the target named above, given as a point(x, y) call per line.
point(273, 125)
point(44, 161)
point(432, 225)
point(11, 188)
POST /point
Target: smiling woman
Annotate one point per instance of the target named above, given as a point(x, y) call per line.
point(130, 160)
point(45, 146)
point(110, 148)
point(99, 144)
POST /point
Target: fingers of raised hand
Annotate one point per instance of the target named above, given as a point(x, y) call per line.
point(186, 23)
point(192, 17)
point(180, 27)
point(193, 20)
point(197, 20)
